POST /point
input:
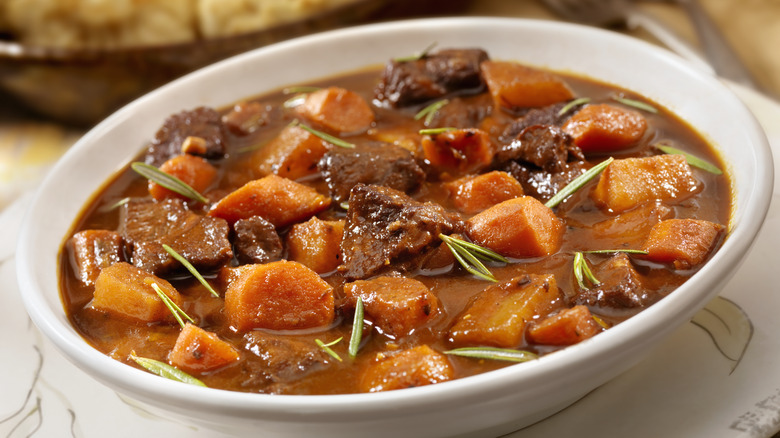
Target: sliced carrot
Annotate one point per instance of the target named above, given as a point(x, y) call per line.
point(198, 351)
point(685, 243)
point(514, 85)
point(195, 171)
point(292, 154)
point(519, 227)
point(337, 109)
point(410, 368)
point(316, 244)
point(605, 128)
point(472, 194)
point(278, 200)
point(124, 290)
point(463, 150)
point(280, 295)
point(567, 327)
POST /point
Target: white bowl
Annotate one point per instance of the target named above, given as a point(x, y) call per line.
point(488, 404)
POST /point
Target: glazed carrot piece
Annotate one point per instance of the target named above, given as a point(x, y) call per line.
point(567, 327)
point(316, 244)
point(472, 194)
point(605, 128)
point(278, 200)
point(514, 85)
point(124, 290)
point(498, 316)
point(280, 295)
point(629, 182)
point(410, 368)
point(463, 150)
point(630, 228)
point(197, 351)
point(685, 243)
point(337, 109)
point(519, 227)
point(292, 154)
point(195, 171)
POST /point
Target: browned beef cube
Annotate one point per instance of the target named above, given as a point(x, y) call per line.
point(202, 122)
point(386, 228)
point(434, 75)
point(91, 251)
point(283, 359)
point(621, 288)
point(256, 241)
point(463, 113)
point(544, 185)
point(145, 220)
point(546, 115)
point(377, 163)
point(545, 146)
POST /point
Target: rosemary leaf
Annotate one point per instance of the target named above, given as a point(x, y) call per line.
point(175, 310)
point(469, 254)
point(569, 106)
point(327, 348)
point(636, 104)
point(190, 268)
point(115, 205)
point(504, 354)
point(582, 271)
point(357, 329)
point(612, 251)
point(170, 182)
point(325, 136)
point(162, 369)
point(344, 205)
point(418, 56)
point(600, 321)
point(577, 183)
point(429, 111)
point(294, 101)
point(691, 159)
point(436, 131)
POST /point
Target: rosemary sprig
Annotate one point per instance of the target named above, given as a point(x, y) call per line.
point(300, 95)
point(329, 350)
point(505, 354)
point(436, 131)
point(469, 254)
point(417, 56)
point(357, 329)
point(600, 321)
point(325, 136)
point(577, 183)
point(691, 159)
point(170, 182)
point(175, 310)
point(568, 107)
point(190, 268)
point(114, 206)
point(582, 272)
point(612, 251)
point(429, 111)
point(162, 369)
point(636, 104)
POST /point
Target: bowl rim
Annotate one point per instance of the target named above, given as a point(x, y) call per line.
point(614, 341)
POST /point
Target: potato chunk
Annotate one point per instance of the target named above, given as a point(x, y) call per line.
point(463, 150)
point(514, 85)
point(605, 128)
point(630, 228)
point(278, 296)
point(292, 154)
point(417, 366)
point(472, 194)
point(124, 290)
point(567, 327)
point(629, 182)
point(520, 227)
point(197, 351)
point(397, 305)
point(498, 316)
point(685, 243)
point(316, 244)
point(278, 200)
point(194, 171)
point(337, 109)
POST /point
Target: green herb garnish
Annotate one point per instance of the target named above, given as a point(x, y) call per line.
point(170, 182)
point(327, 348)
point(568, 107)
point(190, 268)
point(344, 205)
point(691, 159)
point(175, 310)
point(162, 369)
point(417, 56)
point(300, 95)
point(612, 251)
point(636, 104)
point(600, 321)
point(327, 137)
point(429, 111)
point(577, 183)
point(505, 354)
point(582, 272)
point(115, 205)
point(469, 254)
point(357, 329)
point(436, 131)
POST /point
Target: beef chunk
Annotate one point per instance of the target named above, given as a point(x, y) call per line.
point(370, 163)
point(202, 122)
point(545, 146)
point(256, 241)
point(142, 220)
point(464, 113)
point(92, 250)
point(620, 289)
point(547, 115)
point(434, 75)
point(544, 185)
point(283, 359)
point(386, 228)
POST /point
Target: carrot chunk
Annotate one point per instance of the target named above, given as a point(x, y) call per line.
point(198, 351)
point(683, 242)
point(124, 290)
point(567, 327)
point(498, 316)
point(630, 228)
point(278, 200)
point(605, 128)
point(513, 85)
point(278, 296)
point(519, 227)
point(292, 154)
point(629, 182)
point(195, 171)
point(463, 150)
point(416, 366)
point(337, 109)
point(472, 194)
point(397, 305)
point(316, 244)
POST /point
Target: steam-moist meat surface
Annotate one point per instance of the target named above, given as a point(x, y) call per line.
point(370, 216)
